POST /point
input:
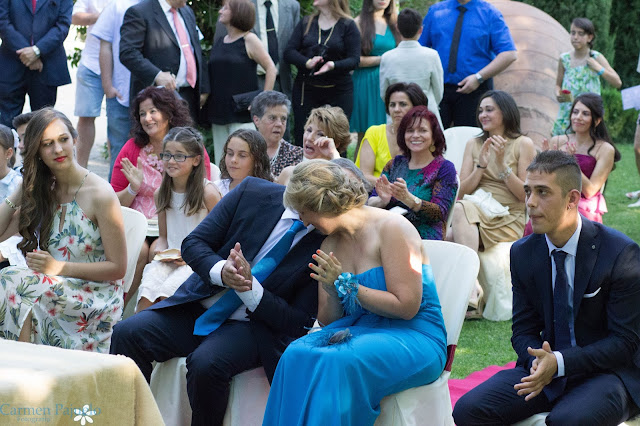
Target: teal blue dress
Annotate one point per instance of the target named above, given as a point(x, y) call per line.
point(317, 383)
point(368, 108)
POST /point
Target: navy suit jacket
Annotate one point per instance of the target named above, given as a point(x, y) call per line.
point(247, 215)
point(148, 45)
point(606, 304)
point(47, 28)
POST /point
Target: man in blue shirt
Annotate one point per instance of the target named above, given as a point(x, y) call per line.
point(474, 45)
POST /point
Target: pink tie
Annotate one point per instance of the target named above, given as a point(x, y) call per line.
point(186, 49)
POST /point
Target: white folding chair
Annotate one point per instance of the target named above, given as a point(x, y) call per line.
point(456, 138)
point(135, 231)
point(215, 173)
point(455, 268)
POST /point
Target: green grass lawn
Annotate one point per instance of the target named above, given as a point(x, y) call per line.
point(483, 343)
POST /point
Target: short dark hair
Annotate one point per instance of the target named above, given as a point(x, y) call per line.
point(22, 119)
point(409, 22)
point(587, 26)
point(268, 99)
point(509, 110)
point(168, 102)
point(411, 118)
point(565, 166)
point(412, 90)
point(243, 14)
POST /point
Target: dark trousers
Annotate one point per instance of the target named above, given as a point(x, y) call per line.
point(40, 96)
point(307, 97)
point(457, 109)
point(599, 400)
point(212, 361)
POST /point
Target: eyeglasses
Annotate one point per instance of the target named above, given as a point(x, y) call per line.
point(180, 158)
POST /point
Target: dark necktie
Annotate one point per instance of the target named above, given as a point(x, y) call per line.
point(561, 304)
point(455, 41)
point(272, 37)
point(213, 317)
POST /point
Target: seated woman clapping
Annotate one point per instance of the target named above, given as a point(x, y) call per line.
point(73, 239)
point(326, 134)
point(420, 180)
point(184, 198)
point(384, 328)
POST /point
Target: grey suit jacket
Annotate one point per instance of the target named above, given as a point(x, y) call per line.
point(288, 18)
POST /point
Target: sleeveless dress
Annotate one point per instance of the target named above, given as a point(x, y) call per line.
point(70, 313)
point(343, 384)
point(507, 228)
point(581, 79)
point(162, 279)
point(594, 207)
point(368, 108)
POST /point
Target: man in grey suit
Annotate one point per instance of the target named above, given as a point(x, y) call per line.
point(285, 15)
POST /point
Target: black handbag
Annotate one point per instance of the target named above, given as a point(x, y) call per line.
point(241, 101)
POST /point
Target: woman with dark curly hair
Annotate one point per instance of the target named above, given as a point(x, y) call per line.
point(245, 154)
point(70, 293)
point(420, 179)
point(137, 171)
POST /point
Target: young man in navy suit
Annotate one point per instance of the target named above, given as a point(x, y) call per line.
point(576, 322)
point(241, 230)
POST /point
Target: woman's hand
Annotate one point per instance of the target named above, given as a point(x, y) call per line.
point(312, 62)
point(41, 261)
point(384, 190)
point(328, 66)
point(485, 155)
point(326, 271)
point(400, 191)
point(134, 175)
point(327, 147)
point(498, 144)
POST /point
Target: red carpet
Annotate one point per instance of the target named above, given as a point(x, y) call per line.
point(458, 387)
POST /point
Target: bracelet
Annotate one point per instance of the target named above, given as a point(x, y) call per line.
point(478, 166)
point(504, 175)
point(131, 191)
point(601, 71)
point(347, 287)
point(10, 203)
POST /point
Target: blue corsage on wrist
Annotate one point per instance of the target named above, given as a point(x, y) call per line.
point(347, 287)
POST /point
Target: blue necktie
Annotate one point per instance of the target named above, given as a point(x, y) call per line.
point(230, 302)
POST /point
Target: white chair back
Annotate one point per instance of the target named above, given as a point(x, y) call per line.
point(456, 138)
point(455, 268)
point(450, 213)
point(215, 173)
point(135, 231)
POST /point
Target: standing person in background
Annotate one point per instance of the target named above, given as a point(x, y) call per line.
point(474, 44)
point(636, 150)
point(160, 46)
point(32, 56)
point(274, 33)
point(412, 63)
point(20, 124)
point(325, 47)
point(89, 91)
point(270, 112)
point(579, 71)
point(378, 34)
point(116, 78)
point(232, 72)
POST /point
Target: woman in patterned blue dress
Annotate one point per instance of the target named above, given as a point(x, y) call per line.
point(70, 293)
point(420, 180)
point(385, 332)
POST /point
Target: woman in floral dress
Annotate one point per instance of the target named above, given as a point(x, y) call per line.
point(70, 294)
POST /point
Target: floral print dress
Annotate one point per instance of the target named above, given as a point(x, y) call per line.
point(66, 312)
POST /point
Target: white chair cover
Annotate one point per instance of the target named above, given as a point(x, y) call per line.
point(456, 138)
point(135, 231)
point(495, 280)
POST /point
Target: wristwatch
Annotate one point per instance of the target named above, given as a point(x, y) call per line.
point(480, 78)
point(36, 50)
point(417, 201)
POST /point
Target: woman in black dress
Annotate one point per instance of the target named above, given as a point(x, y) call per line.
point(325, 47)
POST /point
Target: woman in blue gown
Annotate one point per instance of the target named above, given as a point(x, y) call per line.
point(385, 332)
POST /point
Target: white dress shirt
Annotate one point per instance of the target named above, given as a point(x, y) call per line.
point(571, 248)
point(262, 19)
point(252, 298)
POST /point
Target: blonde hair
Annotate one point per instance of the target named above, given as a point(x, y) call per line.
point(339, 9)
point(334, 123)
point(323, 187)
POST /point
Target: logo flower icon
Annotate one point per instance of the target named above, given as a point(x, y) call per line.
point(83, 416)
